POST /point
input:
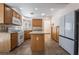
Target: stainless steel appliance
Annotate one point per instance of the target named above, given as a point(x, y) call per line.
point(20, 33)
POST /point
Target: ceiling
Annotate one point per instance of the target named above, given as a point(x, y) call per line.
point(37, 9)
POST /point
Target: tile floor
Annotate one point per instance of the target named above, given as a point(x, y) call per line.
point(51, 48)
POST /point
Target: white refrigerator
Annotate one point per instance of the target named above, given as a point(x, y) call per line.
point(66, 38)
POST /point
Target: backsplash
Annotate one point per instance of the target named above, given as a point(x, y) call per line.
point(37, 29)
point(3, 28)
point(9, 28)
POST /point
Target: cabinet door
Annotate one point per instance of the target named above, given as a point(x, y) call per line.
point(14, 38)
point(27, 34)
point(37, 22)
point(14, 14)
point(40, 42)
point(37, 43)
point(1, 13)
point(8, 15)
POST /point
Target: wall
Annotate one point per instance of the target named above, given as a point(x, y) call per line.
point(27, 23)
point(69, 8)
point(47, 24)
point(47, 28)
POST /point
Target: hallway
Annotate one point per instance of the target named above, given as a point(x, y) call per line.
point(51, 48)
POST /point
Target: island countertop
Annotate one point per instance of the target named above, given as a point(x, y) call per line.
point(38, 32)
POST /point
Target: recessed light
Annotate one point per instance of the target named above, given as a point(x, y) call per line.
point(42, 14)
point(51, 9)
point(36, 8)
point(20, 8)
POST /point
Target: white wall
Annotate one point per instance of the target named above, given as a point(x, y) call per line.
point(69, 8)
point(47, 24)
point(47, 28)
point(27, 23)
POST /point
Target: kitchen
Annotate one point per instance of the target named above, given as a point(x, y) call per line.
point(26, 34)
point(15, 32)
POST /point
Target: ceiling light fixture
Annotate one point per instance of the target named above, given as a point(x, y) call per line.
point(42, 14)
point(20, 8)
point(36, 8)
point(51, 9)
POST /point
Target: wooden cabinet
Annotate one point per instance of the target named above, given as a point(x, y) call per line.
point(27, 34)
point(55, 33)
point(8, 41)
point(16, 15)
point(7, 14)
point(1, 13)
point(37, 22)
point(14, 40)
point(16, 18)
point(37, 42)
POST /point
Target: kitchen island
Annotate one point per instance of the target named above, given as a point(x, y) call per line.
point(38, 41)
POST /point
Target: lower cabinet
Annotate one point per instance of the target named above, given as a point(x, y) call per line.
point(8, 41)
point(27, 34)
point(37, 42)
point(55, 33)
point(14, 38)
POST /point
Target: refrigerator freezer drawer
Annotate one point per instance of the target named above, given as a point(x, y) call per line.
point(67, 44)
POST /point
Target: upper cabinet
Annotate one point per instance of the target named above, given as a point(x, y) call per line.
point(8, 16)
point(16, 15)
point(16, 19)
point(1, 13)
point(37, 22)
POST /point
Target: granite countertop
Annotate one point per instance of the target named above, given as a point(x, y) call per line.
point(38, 32)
